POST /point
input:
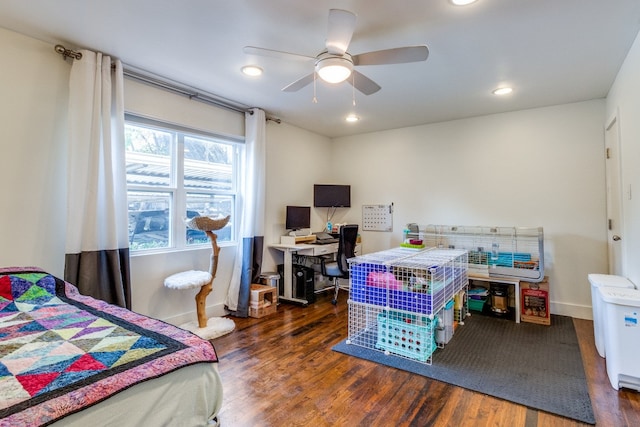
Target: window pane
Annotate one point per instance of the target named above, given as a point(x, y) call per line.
point(163, 192)
point(214, 206)
point(148, 154)
point(207, 165)
point(149, 224)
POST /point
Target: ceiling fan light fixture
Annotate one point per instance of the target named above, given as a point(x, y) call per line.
point(252, 70)
point(462, 2)
point(334, 69)
point(502, 91)
point(352, 118)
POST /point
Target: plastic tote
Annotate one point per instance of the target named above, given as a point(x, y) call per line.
point(597, 281)
point(621, 308)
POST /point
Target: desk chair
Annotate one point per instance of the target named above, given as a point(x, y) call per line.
point(339, 269)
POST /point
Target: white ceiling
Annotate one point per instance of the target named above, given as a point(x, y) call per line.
point(550, 51)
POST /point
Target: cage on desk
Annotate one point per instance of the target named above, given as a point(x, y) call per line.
point(396, 296)
point(508, 252)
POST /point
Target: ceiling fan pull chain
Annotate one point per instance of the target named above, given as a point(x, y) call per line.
point(315, 100)
point(353, 88)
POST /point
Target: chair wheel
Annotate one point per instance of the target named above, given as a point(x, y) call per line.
point(334, 302)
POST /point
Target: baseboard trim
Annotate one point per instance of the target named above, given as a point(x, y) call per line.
point(216, 310)
point(572, 310)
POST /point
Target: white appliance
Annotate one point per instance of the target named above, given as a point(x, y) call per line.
point(597, 281)
point(621, 309)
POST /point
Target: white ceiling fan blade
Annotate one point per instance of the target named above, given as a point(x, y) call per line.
point(398, 55)
point(363, 83)
point(342, 23)
point(299, 84)
point(252, 50)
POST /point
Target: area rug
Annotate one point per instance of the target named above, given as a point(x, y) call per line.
point(533, 365)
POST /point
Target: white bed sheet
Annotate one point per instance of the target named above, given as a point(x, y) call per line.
point(188, 397)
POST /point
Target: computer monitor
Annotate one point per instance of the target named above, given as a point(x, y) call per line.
point(298, 217)
point(331, 196)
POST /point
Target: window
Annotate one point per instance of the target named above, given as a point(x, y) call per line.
point(174, 174)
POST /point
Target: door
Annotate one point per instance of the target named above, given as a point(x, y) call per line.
point(614, 197)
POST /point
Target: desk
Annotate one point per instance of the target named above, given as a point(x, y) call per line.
point(514, 282)
point(300, 249)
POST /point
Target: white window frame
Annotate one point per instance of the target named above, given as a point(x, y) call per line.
point(177, 233)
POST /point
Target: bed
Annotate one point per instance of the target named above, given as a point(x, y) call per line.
point(71, 360)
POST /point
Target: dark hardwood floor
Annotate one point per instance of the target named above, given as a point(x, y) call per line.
point(280, 371)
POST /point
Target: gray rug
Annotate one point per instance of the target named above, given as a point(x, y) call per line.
point(533, 365)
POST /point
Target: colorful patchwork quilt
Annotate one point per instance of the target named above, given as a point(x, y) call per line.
point(61, 351)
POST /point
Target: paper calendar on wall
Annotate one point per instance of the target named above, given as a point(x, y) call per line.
point(377, 217)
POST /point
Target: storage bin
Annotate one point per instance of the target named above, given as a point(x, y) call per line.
point(406, 335)
point(476, 304)
point(598, 281)
point(621, 315)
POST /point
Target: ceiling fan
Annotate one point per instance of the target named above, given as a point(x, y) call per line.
point(334, 64)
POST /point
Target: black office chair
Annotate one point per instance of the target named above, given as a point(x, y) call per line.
point(339, 269)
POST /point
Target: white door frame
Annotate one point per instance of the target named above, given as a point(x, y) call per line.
point(613, 174)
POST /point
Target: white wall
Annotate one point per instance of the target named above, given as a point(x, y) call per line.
point(540, 167)
point(624, 101)
point(296, 159)
point(33, 124)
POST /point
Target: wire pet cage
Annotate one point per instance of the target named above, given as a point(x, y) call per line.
point(509, 252)
point(397, 296)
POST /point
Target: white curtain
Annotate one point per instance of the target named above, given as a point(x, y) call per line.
point(97, 247)
point(251, 213)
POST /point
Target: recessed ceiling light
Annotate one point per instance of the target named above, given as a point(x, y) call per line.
point(352, 118)
point(502, 91)
point(252, 70)
point(462, 2)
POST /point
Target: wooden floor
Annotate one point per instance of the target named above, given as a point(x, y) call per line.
point(280, 371)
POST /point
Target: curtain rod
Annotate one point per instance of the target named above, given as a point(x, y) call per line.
point(181, 89)
point(67, 53)
point(170, 85)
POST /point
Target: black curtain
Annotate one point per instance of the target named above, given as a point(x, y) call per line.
point(102, 274)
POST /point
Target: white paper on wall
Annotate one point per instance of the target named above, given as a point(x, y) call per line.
point(377, 217)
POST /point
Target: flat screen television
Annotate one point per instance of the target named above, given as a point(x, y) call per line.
point(298, 217)
point(331, 196)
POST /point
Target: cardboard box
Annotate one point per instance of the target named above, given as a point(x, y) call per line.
point(534, 302)
point(263, 300)
point(262, 312)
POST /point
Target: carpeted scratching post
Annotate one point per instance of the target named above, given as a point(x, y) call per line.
point(215, 326)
